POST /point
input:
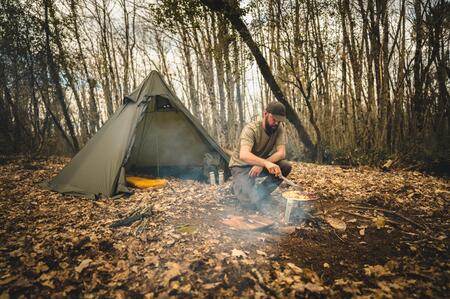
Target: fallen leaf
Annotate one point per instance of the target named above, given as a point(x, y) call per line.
point(151, 260)
point(377, 271)
point(340, 282)
point(294, 268)
point(47, 276)
point(83, 265)
point(288, 280)
point(120, 294)
point(247, 261)
point(399, 200)
point(348, 286)
point(16, 253)
point(392, 265)
point(313, 287)
point(173, 271)
point(8, 280)
point(69, 289)
point(336, 223)
point(261, 253)
point(439, 191)
point(186, 289)
point(238, 253)
point(48, 283)
point(210, 286)
point(299, 286)
point(122, 264)
point(385, 287)
point(379, 221)
point(41, 267)
point(174, 285)
point(121, 276)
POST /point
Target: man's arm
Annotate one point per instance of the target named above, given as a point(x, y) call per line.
point(247, 156)
point(280, 154)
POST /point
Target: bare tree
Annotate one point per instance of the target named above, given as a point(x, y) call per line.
point(54, 75)
point(232, 13)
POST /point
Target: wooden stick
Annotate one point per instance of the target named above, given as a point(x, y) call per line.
point(334, 231)
point(369, 218)
point(135, 216)
point(393, 213)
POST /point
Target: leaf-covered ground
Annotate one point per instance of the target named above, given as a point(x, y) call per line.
point(372, 234)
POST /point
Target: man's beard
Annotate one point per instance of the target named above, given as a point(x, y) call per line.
point(269, 130)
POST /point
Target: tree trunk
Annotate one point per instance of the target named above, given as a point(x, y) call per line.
point(231, 75)
point(162, 54)
point(417, 100)
point(233, 15)
point(399, 94)
point(371, 101)
point(68, 73)
point(54, 75)
point(205, 62)
point(385, 111)
point(237, 84)
point(8, 112)
point(94, 117)
point(192, 93)
point(219, 40)
point(125, 53)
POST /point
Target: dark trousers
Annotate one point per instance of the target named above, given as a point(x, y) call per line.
point(244, 187)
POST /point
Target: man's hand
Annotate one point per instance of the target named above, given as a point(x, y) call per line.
point(273, 168)
point(255, 171)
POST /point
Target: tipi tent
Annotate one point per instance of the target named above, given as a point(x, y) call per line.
point(152, 131)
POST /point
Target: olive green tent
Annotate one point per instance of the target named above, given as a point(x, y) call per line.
point(151, 133)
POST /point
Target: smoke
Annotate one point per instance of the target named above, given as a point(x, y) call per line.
point(257, 198)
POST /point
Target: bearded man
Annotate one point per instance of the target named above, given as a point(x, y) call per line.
point(260, 151)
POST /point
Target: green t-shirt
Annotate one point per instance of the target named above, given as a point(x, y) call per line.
point(262, 144)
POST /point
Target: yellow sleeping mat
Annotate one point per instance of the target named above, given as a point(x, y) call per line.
point(142, 183)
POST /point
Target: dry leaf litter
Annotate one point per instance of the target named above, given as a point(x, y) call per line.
point(372, 234)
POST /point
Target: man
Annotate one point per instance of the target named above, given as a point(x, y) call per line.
point(260, 151)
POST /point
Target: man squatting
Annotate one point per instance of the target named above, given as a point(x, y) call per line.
point(260, 151)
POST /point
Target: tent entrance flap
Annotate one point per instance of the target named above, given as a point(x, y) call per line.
point(167, 144)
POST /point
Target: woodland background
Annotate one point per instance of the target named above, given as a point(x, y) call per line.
point(364, 80)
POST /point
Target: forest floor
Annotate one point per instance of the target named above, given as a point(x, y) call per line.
point(389, 239)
